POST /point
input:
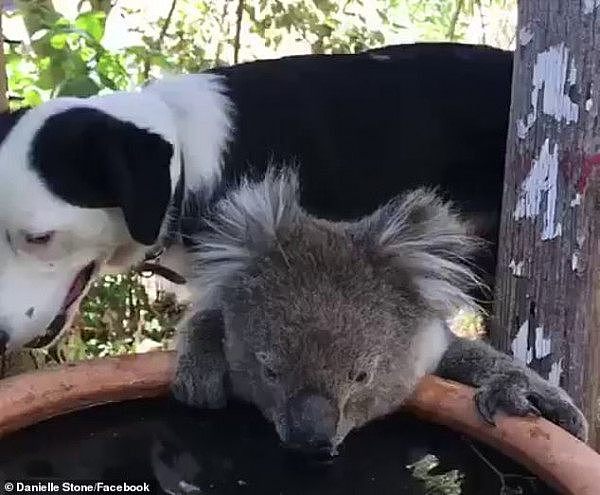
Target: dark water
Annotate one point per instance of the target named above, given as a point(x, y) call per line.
point(237, 452)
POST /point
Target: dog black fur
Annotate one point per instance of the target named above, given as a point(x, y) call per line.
point(360, 129)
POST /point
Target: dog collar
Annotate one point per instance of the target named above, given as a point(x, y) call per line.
point(151, 263)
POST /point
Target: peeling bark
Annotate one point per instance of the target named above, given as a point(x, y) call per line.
point(548, 278)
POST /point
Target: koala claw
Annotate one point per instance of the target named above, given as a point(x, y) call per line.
point(515, 394)
point(489, 403)
point(534, 411)
point(559, 409)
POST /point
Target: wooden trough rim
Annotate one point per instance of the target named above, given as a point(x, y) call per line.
point(556, 457)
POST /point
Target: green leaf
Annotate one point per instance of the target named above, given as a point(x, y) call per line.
point(61, 23)
point(50, 76)
point(449, 483)
point(42, 46)
point(74, 66)
point(111, 72)
point(58, 41)
point(81, 86)
point(108, 82)
point(32, 97)
point(92, 23)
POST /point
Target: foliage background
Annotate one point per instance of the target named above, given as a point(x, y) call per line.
point(82, 48)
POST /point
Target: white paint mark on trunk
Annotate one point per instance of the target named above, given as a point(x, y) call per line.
point(557, 232)
point(551, 73)
point(576, 201)
point(572, 74)
point(516, 268)
point(542, 178)
point(524, 126)
point(575, 261)
point(555, 373)
point(525, 35)
point(590, 5)
point(589, 103)
point(520, 347)
point(543, 345)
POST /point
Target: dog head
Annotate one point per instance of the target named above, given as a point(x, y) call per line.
point(84, 185)
point(330, 325)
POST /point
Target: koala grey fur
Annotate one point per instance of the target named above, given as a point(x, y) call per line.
point(325, 326)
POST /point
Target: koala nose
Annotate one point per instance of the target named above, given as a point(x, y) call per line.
point(312, 423)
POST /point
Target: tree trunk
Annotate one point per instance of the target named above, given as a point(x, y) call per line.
point(3, 78)
point(548, 278)
point(37, 14)
point(102, 5)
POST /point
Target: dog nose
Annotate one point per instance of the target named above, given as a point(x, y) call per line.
point(4, 338)
point(312, 423)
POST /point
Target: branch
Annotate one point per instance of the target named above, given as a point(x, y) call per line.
point(37, 14)
point(238, 29)
point(102, 6)
point(163, 31)
point(452, 29)
point(501, 476)
point(161, 37)
point(224, 31)
point(482, 20)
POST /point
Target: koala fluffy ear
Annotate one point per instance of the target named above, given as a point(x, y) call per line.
point(420, 234)
point(243, 226)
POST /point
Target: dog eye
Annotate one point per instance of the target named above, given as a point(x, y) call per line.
point(39, 239)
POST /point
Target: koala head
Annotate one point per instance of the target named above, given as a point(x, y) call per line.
point(330, 325)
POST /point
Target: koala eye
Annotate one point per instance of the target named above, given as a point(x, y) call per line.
point(360, 377)
point(270, 374)
point(40, 239)
point(265, 361)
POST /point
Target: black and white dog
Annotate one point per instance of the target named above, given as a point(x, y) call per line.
point(91, 185)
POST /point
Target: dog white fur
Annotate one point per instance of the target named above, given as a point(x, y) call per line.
point(190, 112)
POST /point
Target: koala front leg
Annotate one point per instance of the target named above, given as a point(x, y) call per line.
point(507, 385)
point(201, 367)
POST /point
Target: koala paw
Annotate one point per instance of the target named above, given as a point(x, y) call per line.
point(515, 394)
point(199, 390)
point(201, 365)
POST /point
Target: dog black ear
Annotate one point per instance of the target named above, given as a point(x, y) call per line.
point(93, 160)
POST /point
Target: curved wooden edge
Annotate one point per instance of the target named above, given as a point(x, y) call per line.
point(555, 456)
point(32, 397)
point(546, 450)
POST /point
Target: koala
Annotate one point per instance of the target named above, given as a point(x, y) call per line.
point(326, 326)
